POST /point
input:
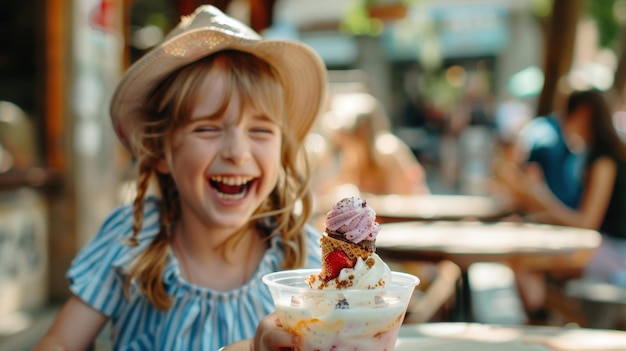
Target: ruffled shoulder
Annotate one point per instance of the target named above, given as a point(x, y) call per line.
point(275, 256)
point(96, 275)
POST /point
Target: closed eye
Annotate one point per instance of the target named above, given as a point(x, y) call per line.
point(205, 129)
point(261, 124)
point(263, 130)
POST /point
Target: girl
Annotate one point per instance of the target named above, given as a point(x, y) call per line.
point(217, 116)
point(588, 129)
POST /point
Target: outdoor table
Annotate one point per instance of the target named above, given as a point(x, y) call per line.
point(537, 247)
point(394, 208)
point(486, 337)
point(532, 246)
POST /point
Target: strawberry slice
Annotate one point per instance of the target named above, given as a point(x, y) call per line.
point(334, 262)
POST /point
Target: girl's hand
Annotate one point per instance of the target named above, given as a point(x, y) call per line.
point(270, 336)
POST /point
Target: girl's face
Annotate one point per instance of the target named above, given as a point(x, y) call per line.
point(224, 163)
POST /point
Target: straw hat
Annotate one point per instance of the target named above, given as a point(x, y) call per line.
point(208, 31)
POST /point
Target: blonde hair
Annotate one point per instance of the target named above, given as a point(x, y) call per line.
point(168, 108)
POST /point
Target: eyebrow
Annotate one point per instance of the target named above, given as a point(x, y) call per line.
point(263, 117)
point(211, 117)
point(216, 117)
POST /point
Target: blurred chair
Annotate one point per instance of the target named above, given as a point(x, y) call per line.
point(494, 295)
point(603, 305)
point(434, 297)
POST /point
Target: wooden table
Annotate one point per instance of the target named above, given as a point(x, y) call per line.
point(394, 208)
point(484, 337)
point(532, 246)
point(520, 246)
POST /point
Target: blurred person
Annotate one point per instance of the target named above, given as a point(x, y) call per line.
point(421, 122)
point(588, 130)
point(364, 153)
point(469, 127)
point(541, 147)
point(417, 110)
point(540, 150)
point(220, 129)
point(512, 116)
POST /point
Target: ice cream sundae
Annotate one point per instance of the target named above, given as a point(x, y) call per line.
point(348, 246)
point(354, 302)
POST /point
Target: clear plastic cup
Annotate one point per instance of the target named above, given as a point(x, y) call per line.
point(336, 320)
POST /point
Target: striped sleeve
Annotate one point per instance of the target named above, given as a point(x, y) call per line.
point(93, 276)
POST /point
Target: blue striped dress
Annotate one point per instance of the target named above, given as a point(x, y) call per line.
point(199, 319)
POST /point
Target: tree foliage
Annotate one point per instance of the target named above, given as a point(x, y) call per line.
point(602, 11)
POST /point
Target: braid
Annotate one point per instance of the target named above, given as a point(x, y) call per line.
point(171, 202)
point(139, 202)
point(148, 267)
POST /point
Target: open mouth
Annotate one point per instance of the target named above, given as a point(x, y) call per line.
point(231, 188)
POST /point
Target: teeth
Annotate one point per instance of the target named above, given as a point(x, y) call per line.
point(238, 180)
point(231, 196)
point(232, 181)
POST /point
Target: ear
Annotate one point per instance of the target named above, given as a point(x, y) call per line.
point(162, 166)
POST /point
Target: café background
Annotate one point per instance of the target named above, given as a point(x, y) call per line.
point(62, 169)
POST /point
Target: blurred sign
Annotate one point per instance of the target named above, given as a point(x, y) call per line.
point(459, 31)
point(471, 29)
point(103, 16)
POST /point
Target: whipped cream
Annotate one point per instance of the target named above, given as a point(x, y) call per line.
point(371, 273)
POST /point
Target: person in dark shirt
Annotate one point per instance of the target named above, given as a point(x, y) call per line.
point(561, 167)
point(588, 130)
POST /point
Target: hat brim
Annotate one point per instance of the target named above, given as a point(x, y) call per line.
point(300, 69)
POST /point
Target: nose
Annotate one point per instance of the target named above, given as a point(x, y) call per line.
point(236, 147)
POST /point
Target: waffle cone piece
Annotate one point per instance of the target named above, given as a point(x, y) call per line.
point(353, 251)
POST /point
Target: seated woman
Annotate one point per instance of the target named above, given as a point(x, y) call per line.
point(363, 152)
point(588, 129)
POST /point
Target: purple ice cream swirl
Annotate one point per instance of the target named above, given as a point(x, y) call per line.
point(352, 218)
